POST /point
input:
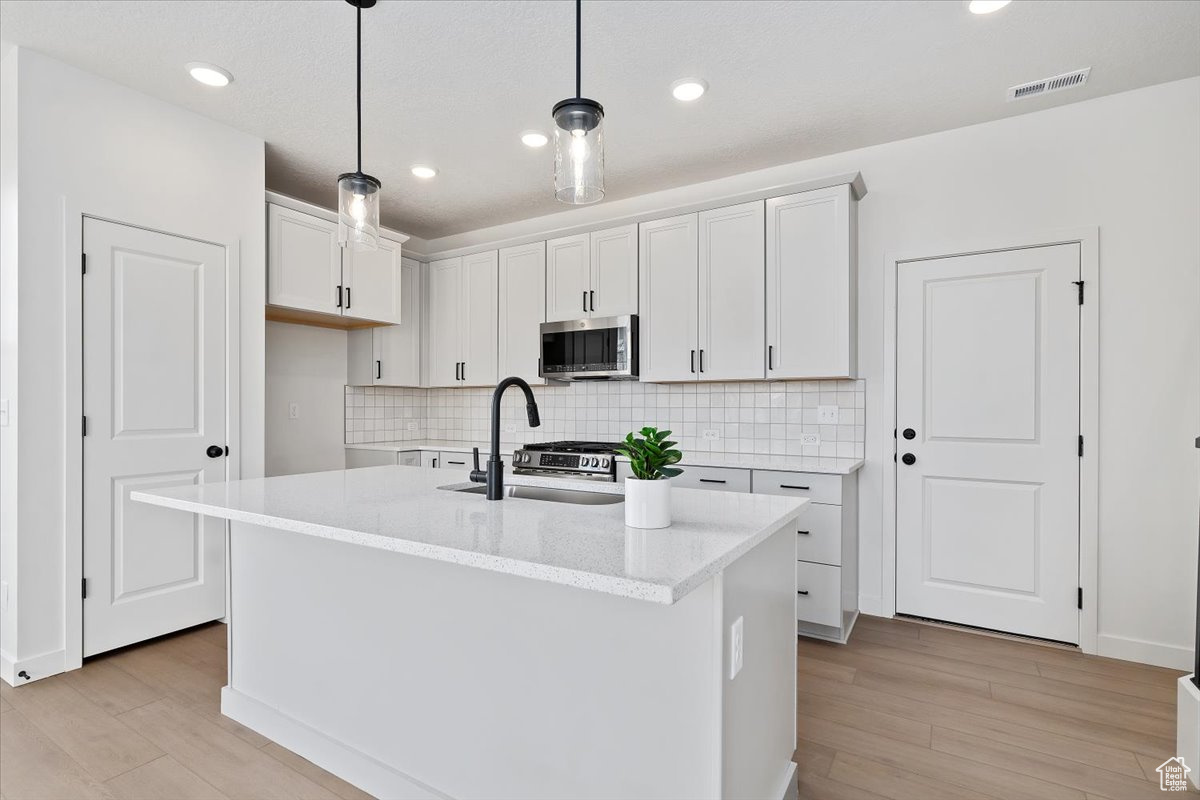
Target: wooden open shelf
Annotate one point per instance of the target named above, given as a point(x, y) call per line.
point(317, 320)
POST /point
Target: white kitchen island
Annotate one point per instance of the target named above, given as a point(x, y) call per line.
point(420, 642)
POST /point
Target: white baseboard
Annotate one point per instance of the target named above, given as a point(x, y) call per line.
point(36, 668)
point(1156, 653)
point(1187, 735)
point(348, 763)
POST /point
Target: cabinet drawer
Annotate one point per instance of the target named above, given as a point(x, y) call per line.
point(819, 594)
point(452, 460)
point(721, 479)
point(818, 488)
point(819, 534)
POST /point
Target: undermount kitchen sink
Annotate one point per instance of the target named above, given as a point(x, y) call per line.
point(546, 493)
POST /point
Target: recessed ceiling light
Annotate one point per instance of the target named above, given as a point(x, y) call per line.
point(689, 89)
point(534, 139)
point(986, 6)
point(209, 74)
point(422, 171)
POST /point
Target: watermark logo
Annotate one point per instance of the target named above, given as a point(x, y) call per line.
point(1172, 775)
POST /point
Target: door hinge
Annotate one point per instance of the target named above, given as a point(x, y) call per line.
point(85, 426)
point(83, 587)
point(1079, 598)
point(84, 260)
point(1079, 285)
point(1081, 445)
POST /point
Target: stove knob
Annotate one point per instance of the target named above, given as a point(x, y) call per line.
point(595, 462)
point(604, 463)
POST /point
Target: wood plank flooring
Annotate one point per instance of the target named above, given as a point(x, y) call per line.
point(904, 711)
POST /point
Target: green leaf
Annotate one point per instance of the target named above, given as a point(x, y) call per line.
point(671, 472)
point(673, 457)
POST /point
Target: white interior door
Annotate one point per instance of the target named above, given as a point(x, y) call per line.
point(154, 400)
point(374, 283)
point(987, 407)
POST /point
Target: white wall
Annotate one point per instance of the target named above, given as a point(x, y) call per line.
point(307, 366)
point(85, 145)
point(1128, 164)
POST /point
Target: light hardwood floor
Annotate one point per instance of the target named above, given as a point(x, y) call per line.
point(904, 711)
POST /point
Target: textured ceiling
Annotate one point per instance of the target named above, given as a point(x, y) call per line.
point(453, 83)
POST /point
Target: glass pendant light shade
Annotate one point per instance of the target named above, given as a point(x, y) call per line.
point(579, 151)
point(358, 211)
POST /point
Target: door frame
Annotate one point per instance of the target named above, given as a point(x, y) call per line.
point(73, 221)
point(1088, 239)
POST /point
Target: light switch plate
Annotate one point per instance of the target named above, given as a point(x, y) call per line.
point(810, 438)
point(711, 435)
point(736, 647)
point(412, 426)
point(827, 415)
point(293, 410)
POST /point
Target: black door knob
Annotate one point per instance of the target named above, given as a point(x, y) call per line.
point(909, 459)
point(909, 433)
point(214, 451)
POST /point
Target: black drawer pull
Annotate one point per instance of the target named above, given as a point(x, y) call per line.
point(712, 480)
point(789, 486)
point(803, 533)
point(459, 463)
point(803, 592)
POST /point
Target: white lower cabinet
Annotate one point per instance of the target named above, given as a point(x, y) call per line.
point(430, 458)
point(818, 594)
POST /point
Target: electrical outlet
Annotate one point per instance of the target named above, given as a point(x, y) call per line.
point(735, 648)
point(293, 410)
point(711, 435)
point(510, 427)
point(827, 415)
point(809, 438)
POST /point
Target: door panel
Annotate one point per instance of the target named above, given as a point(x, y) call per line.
point(375, 283)
point(154, 396)
point(732, 271)
point(397, 348)
point(568, 277)
point(304, 261)
point(522, 309)
point(987, 517)
point(614, 272)
point(669, 299)
point(445, 300)
point(478, 319)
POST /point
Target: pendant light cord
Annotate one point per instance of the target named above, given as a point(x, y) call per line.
point(358, 84)
point(578, 40)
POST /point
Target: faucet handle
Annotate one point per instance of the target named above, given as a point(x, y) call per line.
point(477, 475)
point(475, 455)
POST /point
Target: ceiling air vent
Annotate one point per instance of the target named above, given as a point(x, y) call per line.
point(1067, 80)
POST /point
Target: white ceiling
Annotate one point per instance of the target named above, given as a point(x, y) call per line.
point(453, 83)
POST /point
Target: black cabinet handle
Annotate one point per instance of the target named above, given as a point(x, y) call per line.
point(347, 297)
point(712, 480)
point(909, 433)
point(909, 459)
point(457, 463)
point(789, 486)
point(593, 295)
point(803, 592)
point(339, 296)
point(215, 451)
point(464, 370)
point(702, 359)
point(693, 361)
point(378, 369)
point(585, 302)
point(803, 533)
point(770, 356)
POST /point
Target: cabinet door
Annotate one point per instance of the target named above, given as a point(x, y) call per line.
point(522, 309)
point(811, 285)
point(614, 272)
point(732, 274)
point(304, 262)
point(568, 277)
point(668, 328)
point(445, 302)
point(374, 286)
point(429, 458)
point(397, 348)
point(478, 319)
point(409, 458)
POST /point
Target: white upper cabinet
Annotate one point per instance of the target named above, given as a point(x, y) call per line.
point(592, 274)
point(667, 348)
point(732, 284)
point(462, 320)
point(374, 286)
point(811, 284)
point(614, 272)
point(522, 309)
point(307, 270)
point(304, 264)
point(568, 277)
point(390, 355)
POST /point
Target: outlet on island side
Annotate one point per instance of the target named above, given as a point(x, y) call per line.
point(293, 410)
point(735, 648)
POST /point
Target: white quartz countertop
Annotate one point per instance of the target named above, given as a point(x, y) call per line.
point(402, 509)
point(829, 466)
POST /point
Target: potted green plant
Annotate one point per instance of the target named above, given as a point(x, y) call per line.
point(648, 492)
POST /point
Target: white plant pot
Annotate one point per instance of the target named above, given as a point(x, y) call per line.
point(648, 503)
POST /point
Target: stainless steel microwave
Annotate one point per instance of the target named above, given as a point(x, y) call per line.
point(603, 348)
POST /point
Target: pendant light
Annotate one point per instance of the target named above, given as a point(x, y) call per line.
point(578, 142)
point(358, 193)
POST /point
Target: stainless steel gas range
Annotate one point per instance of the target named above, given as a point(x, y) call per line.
point(580, 460)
